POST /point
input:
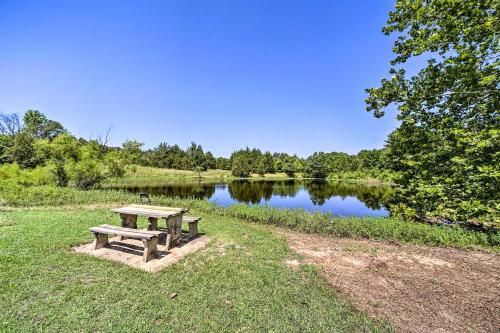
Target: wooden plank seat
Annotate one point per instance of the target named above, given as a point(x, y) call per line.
point(192, 222)
point(149, 238)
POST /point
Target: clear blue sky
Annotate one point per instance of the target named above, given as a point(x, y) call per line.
point(278, 75)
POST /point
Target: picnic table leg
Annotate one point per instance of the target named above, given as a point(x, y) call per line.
point(101, 240)
point(150, 249)
point(193, 229)
point(168, 242)
point(152, 223)
point(128, 221)
point(178, 223)
point(172, 231)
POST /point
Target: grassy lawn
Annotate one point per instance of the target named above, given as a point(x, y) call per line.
point(239, 283)
point(142, 175)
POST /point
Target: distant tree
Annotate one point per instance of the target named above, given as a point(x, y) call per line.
point(5, 143)
point(62, 178)
point(252, 157)
point(223, 163)
point(369, 159)
point(289, 168)
point(317, 166)
point(210, 160)
point(114, 161)
point(298, 164)
point(177, 158)
point(261, 169)
point(195, 158)
point(268, 162)
point(22, 150)
point(37, 124)
point(132, 150)
point(241, 166)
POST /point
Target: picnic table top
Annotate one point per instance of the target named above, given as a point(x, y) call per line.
point(149, 212)
point(175, 209)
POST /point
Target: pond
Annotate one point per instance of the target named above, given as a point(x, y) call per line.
point(338, 198)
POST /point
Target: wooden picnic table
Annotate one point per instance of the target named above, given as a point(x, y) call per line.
point(172, 216)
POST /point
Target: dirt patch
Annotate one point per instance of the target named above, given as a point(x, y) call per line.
point(415, 288)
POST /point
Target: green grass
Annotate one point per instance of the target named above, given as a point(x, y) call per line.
point(239, 283)
point(295, 219)
point(143, 176)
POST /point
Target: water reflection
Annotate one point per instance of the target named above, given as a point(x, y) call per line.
point(374, 197)
point(339, 198)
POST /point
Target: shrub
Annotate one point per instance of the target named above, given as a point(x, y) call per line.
point(85, 173)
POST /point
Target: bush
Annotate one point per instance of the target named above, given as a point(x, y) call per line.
point(37, 176)
point(86, 173)
point(60, 174)
point(115, 165)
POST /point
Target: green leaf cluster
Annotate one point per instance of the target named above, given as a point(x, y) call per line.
point(446, 150)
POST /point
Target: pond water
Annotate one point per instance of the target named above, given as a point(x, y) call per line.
point(339, 198)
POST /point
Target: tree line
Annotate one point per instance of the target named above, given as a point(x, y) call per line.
point(245, 162)
point(36, 141)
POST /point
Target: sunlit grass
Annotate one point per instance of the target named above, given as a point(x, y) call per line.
point(144, 176)
point(239, 283)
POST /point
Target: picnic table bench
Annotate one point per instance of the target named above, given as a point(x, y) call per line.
point(192, 222)
point(149, 238)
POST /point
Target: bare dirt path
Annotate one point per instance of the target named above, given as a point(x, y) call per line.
point(415, 288)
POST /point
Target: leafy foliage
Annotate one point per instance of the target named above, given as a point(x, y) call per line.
point(241, 166)
point(50, 155)
point(37, 124)
point(447, 148)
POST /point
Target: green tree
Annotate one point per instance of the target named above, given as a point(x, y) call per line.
point(115, 164)
point(252, 157)
point(176, 158)
point(241, 166)
point(317, 166)
point(223, 163)
point(289, 168)
point(447, 148)
point(195, 158)
point(132, 150)
point(268, 162)
point(37, 124)
point(60, 173)
point(261, 169)
point(210, 160)
point(369, 159)
point(22, 150)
